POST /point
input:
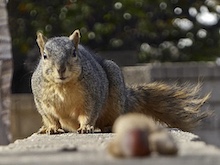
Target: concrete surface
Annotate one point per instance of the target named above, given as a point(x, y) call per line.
point(73, 148)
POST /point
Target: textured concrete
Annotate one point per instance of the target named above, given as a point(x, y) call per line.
point(72, 148)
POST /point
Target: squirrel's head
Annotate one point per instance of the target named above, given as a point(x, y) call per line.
point(60, 61)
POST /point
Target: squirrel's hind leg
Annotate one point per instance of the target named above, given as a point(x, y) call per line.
point(107, 129)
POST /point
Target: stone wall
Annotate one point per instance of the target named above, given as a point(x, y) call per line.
point(25, 120)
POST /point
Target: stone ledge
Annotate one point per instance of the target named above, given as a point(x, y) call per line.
point(72, 148)
point(189, 70)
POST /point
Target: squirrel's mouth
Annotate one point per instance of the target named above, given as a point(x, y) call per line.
point(61, 79)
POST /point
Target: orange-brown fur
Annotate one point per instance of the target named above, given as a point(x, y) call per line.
point(110, 113)
point(177, 106)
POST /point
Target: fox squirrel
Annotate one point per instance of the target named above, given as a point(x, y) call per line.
point(138, 135)
point(75, 90)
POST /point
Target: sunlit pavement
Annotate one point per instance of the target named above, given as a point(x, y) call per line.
point(73, 148)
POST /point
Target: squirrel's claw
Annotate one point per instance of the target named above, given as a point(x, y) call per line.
point(86, 129)
point(50, 130)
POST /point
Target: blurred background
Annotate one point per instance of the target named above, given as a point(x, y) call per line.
point(156, 30)
point(131, 32)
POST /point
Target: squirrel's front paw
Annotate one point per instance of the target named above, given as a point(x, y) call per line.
point(50, 130)
point(86, 129)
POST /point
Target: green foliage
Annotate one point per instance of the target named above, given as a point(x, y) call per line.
point(160, 30)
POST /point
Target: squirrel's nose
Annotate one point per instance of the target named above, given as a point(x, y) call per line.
point(61, 70)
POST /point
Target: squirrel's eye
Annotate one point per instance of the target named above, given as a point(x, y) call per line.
point(45, 56)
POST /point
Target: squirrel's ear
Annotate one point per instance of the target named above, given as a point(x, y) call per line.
point(75, 37)
point(41, 40)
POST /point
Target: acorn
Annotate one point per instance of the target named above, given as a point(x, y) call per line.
point(138, 135)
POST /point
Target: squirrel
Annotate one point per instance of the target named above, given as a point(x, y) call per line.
point(138, 135)
point(76, 90)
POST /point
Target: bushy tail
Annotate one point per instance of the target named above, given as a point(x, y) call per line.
point(177, 106)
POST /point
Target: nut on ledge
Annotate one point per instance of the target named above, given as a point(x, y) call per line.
point(138, 135)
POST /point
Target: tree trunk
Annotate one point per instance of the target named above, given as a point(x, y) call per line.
point(5, 75)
